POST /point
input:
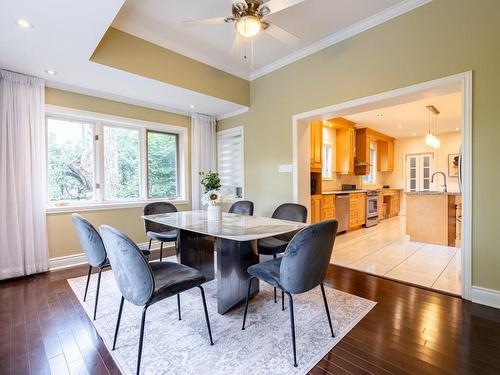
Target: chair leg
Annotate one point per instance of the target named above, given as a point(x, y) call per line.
point(179, 305)
point(275, 300)
point(206, 313)
point(97, 292)
point(282, 301)
point(161, 251)
point(292, 323)
point(141, 339)
point(118, 322)
point(247, 300)
point(326, 308)
point(149, 247)
point(87, 285)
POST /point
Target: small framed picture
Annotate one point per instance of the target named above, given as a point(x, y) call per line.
point(453, 165)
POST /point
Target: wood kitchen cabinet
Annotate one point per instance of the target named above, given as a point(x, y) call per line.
point(316, 129)
point(357, 210)
point(385, 155)
point(363, 140)
point(316, 208)
point(328, 207)
point(345, 150)
point(392, 199)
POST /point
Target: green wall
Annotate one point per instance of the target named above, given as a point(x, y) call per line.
point(439, 39)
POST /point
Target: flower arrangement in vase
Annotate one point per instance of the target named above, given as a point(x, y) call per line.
point(212, 197)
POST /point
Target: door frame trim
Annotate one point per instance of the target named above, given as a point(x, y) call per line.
point(301, 144)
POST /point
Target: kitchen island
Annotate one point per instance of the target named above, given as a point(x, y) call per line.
point(431, 216)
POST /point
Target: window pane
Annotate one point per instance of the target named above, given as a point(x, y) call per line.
point(413, 185)
point(426, 172)
point(413, 162)
point(162, 165)
point(413, 173)
point(121, 163)
point(426, 184)
point(70, 160)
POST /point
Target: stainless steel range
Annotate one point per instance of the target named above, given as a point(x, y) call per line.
point(372, 208)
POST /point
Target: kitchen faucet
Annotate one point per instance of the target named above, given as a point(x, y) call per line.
point(444, 178)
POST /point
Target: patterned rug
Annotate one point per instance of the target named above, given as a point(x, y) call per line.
point(182, 347)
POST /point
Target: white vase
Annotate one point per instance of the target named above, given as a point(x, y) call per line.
point(214, 212)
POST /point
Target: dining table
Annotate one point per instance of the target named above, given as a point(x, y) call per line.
point(223, 249)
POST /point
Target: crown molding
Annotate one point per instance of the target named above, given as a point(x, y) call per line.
point(348, 32)
point(232, 114)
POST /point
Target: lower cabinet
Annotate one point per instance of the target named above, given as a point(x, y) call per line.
point(322, 207)
point(328, 207)
point(316, 208)
point(357, 210)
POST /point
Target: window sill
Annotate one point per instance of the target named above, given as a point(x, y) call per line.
point(99, 206)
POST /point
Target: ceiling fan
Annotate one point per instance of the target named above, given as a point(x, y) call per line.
point(249, 15)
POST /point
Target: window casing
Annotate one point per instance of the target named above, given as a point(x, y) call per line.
point(371, 178)
point(326, 172)
point(230, 162)
point(120, 161)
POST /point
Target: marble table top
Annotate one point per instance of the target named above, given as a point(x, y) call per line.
point(232, 227)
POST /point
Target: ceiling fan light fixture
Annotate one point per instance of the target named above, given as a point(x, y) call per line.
point(248, 26)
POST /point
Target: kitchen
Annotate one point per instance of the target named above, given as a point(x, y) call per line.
point(379, 175)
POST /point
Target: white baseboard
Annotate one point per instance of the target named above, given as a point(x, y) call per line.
point(485, 296)
point(68, 261)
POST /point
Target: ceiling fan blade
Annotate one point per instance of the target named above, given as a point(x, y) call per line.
point(205, 22)
point(275, 6)
point(282, 35)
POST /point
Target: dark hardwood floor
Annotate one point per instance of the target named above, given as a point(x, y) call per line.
point(44, 330)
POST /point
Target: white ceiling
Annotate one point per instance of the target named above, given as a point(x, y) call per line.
point(66, 33)
point(159, 21)
point(413, 117)
point(64, 36)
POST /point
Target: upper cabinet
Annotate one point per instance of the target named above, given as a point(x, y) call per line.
point(345, 145)
point(385, 155)
point(316, 146)
point(363, 159)
point(385, 151)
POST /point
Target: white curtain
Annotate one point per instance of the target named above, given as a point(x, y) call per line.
point(203, 153)
point(23, 231)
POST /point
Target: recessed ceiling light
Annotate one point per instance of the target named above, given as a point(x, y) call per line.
point(51, 72)
point(414, 134)
point(192, 106)
point(380, 115)
point(25, 24)
point(457, 129)
point(400, 126)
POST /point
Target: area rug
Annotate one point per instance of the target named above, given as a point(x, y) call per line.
point(182, 347)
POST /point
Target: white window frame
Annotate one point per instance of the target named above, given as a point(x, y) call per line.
point(372, 167)
point(240, 130)
point(419, 169)
point(326, 170)
point(99, 119)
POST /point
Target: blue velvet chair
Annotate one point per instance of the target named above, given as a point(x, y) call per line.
point(242, 208)
point(277, 244)
point(302, 267)
point(158, 232)
point(144, 284)
point(94, 250)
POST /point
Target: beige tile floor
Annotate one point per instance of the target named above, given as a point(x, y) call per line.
point(386, 250)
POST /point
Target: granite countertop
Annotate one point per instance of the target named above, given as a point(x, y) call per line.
point(433, 193)
point(344, 191)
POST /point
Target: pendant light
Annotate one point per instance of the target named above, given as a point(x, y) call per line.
point(431, 139)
